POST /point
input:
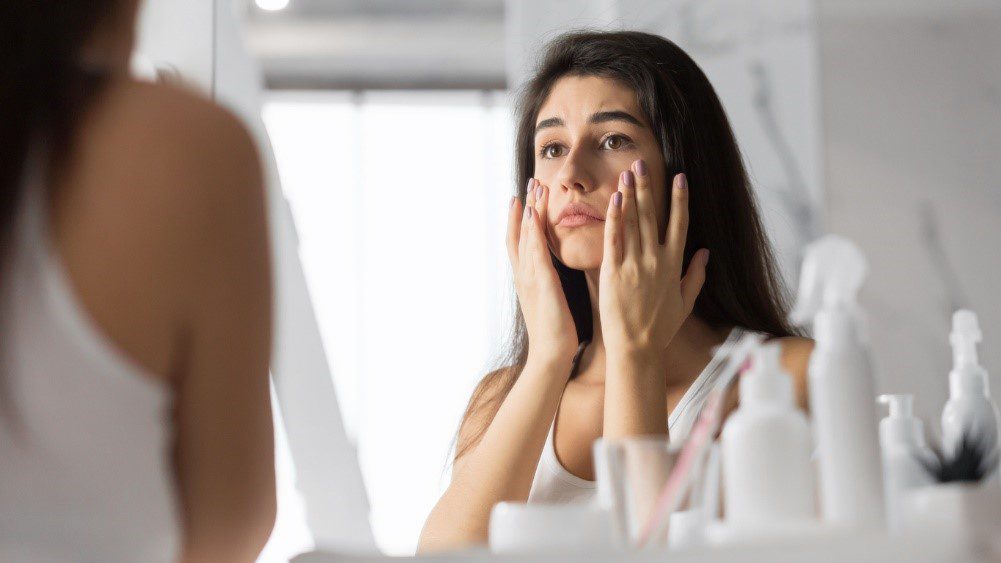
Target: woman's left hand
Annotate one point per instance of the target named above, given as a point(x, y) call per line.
point(642, 296)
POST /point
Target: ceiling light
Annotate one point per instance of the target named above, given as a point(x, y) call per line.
point(272, 5)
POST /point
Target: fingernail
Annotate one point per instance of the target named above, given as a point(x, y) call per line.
point(528, 211)
point(641, 167)
point(531, 184)
point(683, 181)
point(538, 192)
point(511, 203)
point(628, 180)
point(705, 257)
point(617, 199)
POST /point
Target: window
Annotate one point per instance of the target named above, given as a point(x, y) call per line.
point(400, 200)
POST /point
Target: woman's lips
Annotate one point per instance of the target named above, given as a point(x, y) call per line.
point(578, 214)
point(577, 220)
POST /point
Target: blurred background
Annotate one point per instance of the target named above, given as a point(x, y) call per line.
point(391, 126)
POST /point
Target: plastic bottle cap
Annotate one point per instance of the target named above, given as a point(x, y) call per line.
point(765, 382)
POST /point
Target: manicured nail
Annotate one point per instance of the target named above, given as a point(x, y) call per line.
point(528, 188)
point(705, 257)
point(528, 211)
point(683, 181)
point(628, 180)
point(538, 192)
point(640, 167)
point(617, 199)
point(513, 199)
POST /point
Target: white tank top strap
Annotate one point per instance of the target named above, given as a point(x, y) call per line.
point(554, 484)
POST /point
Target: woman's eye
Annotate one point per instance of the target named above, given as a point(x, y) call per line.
point(614, 142)
point(552, 151)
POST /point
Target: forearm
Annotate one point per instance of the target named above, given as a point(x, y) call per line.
point(502, 465)
point(635, 400)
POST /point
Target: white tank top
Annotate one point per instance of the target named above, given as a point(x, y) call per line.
point(554, 484)
point(85, 434)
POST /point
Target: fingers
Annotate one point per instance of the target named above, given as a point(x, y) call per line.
point(513, 229)
point(630, 218)
point(694, 278)
point(529, 205)
point(537, 229)
point(542, 206)
point(646, 210)
point(613, 230)
point(677, 226)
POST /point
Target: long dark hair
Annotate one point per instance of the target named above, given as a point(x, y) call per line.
point(44, 88)
point(743, 287)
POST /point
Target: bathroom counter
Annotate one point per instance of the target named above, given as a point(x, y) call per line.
point(835, 548)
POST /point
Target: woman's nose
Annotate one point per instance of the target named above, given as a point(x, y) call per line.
point(574, 176)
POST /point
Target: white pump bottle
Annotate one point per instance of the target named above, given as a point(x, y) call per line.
point(905, 454)
point(842, 386)
point(766, 446)
point(970, 409)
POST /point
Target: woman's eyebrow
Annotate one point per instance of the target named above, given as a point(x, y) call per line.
point(551, 122)
point(603, 116)
point(600, 117)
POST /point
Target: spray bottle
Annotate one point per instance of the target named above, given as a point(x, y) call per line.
point(970, 410)
point(906, 456)
point(842, 386)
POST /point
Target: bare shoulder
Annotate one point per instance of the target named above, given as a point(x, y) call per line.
point(171, 156)
point(157, 179)
point(177, 131)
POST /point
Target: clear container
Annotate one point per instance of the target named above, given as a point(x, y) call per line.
point(631, 474)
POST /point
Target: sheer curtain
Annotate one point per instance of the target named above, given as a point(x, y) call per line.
point(400, 201)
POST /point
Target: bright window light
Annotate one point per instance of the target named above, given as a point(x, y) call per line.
point(272, 5)
point(400, 201)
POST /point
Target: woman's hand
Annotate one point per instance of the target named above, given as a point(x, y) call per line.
point(552, 335)
point(643, 298)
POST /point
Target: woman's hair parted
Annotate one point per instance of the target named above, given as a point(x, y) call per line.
point(44, 87)
point(743, 287)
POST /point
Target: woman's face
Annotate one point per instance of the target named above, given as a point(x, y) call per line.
point(589, 130)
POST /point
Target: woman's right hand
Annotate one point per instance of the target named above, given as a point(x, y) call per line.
point(552, 335)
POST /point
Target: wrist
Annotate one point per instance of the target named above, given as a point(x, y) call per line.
point(551, 359)
point(637, 364)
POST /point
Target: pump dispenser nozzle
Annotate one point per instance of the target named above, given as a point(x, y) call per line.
point(967, 376)
point(964, 338)
point(901, 406)
point(901, 427)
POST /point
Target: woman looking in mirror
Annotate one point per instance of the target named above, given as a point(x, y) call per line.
point(637, 250)
point(135, 304)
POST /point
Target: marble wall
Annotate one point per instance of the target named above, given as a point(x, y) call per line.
point(912, 137)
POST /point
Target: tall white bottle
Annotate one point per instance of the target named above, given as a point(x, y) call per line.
point(906, 456)
point(970, 407)
point(842, 386)
point(766, 447)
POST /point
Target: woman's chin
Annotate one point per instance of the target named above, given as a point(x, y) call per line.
point(581, 260)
